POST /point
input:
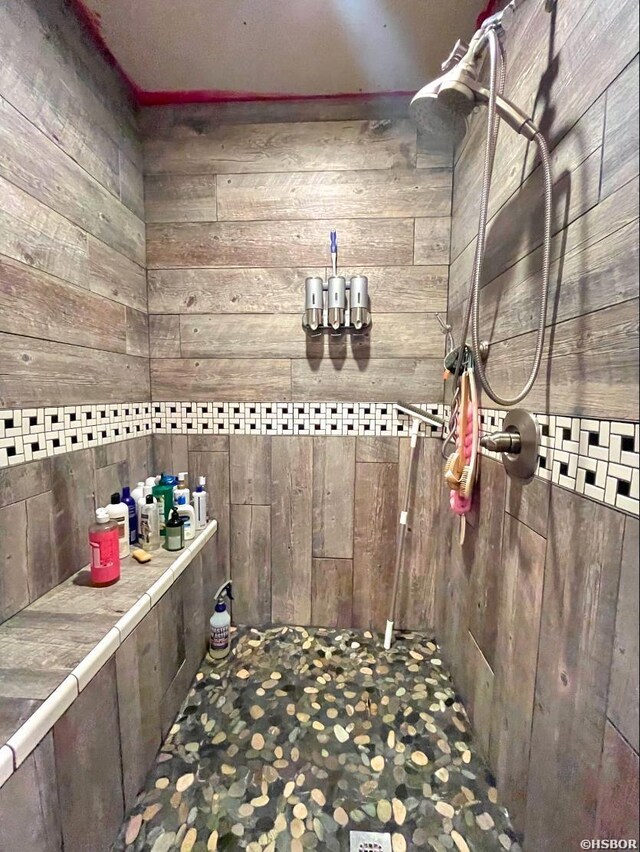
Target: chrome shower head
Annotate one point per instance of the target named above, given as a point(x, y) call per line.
point(440, 119)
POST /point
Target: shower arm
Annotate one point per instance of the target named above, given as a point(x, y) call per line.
point(506, 109)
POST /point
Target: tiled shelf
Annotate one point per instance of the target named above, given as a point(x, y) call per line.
point(75, 606)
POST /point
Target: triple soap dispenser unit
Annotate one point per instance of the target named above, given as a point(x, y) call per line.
point(346, 307)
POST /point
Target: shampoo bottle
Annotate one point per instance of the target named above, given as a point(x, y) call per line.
point(137, 491)
point(105, 555)
point(163, 491)
point(149, 524)
point(129, 501)
point(200, 504)
point(119, 512)
point(220, 624)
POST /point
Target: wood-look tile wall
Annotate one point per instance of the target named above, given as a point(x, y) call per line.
point(239, 206)
point(588, 110)
point(73, 299)
point(534, 611)
point(112, 732)
point(307, 526)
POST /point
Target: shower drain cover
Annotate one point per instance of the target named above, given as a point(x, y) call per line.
point(369, 841)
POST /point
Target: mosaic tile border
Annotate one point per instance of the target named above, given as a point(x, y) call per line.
point(599, 459)
point(28, 434)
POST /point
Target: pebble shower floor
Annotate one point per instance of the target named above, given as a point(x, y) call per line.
point(304, 735)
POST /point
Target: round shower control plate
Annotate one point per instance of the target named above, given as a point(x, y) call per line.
point(522, 465)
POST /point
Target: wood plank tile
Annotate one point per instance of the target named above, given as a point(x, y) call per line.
point(587, 280)
point(32, 233)
point(42, 559)
point(334, 469)
point(38, 373)
point(35, 304)
point(164, 336)
point(291, 524)
point(253, 244)
point(137, 332)
point(229, 291)
point(131, 186)
point(29, 809)
point(420, 566)
point(250, 469)
point(612, 214)
point(138, 681)
point(617, 815)
point(514, 166)
point(215, 466)
point(170, 453)
point(379, 379)
point(115, 276)
point(72, 486)
point(251, 564)
point(623, 689)
point(510, 721)
point(223, 379)
point(407, 289)
point(24, 480)
point(14, 577)
point(280, 336)
point(110, 479)
point(479, 692)
point(581, 583)
point(356, 194)
point(140, 458)
point(620, 149)
point(184, 121)
point(171, 645)
point(80, 746)
point(180, 198)
point(516, 229)
point(432, 238)
point(331, 592)
point(13, 713)
point(529, 503)
point(378, 448)
point(38, 166)
point(485, 576)
point(208, 443)
point(33, 79)
point(42, 78)
point(305, 146)
point(592, 370)
point(374, 546)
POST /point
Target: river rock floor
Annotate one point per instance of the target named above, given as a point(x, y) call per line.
point(303, 735)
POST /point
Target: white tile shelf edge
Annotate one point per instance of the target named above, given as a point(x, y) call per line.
point(33, 730)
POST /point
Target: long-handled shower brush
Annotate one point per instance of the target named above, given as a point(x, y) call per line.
point(417, 416)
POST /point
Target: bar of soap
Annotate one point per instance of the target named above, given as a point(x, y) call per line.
point(141, 555)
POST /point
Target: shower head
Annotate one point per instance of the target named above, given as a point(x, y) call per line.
point(419, 414)
point(441, 108)
point(440, 123)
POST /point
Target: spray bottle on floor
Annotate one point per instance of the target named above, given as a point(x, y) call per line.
point(220, 624)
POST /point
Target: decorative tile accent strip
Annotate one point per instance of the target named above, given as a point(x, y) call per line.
point(28, 434)
point(284, 418)
point(597, 458)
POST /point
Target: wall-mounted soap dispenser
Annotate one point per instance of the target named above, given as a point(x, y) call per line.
point(347, 304)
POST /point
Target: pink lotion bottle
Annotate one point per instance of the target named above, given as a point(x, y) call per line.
point(104, 540)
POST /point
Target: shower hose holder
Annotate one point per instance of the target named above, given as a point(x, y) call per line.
point(518, 442)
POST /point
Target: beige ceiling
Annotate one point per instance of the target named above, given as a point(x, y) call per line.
point(282, 47)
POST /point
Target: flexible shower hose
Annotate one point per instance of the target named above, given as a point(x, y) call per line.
point(496, 86)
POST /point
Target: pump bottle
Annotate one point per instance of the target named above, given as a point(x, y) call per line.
point(200, 504)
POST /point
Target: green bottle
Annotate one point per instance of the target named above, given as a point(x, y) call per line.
point(163, 492)
point(174, 532)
